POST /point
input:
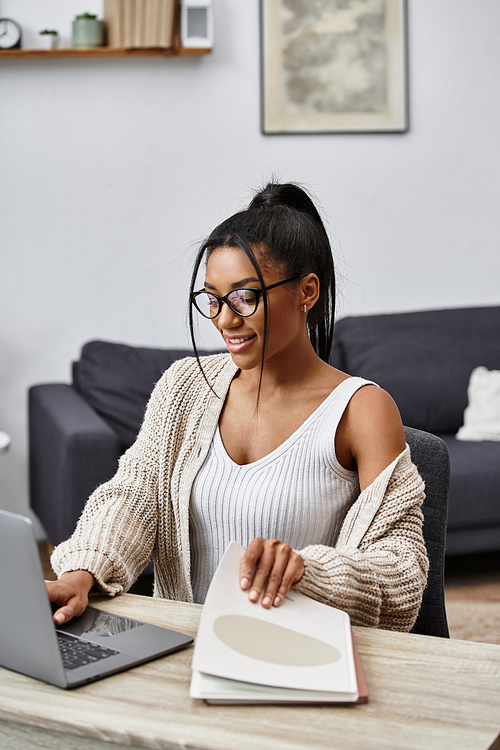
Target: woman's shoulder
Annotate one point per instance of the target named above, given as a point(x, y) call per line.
point(193, 372)
point(372, 431)
point(370, 401)
point(373, 415)
point(187, 382)
point(208, 363)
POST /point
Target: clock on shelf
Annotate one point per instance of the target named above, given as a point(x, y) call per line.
point(10, 34)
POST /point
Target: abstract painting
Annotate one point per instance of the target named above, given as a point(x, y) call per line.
point(334, 66)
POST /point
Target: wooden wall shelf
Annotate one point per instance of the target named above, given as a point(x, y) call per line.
point(16, 54)
point(176, 50)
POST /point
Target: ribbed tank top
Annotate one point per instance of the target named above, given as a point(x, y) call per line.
point(299, 493)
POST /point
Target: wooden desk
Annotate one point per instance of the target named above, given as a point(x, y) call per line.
point(424, 693)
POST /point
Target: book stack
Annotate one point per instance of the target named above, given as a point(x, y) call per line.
point(301, 652)
point(139, 23)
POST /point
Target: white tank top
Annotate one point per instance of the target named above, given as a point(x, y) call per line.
point(299, 493)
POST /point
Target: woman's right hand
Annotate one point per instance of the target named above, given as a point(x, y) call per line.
point(71, 592)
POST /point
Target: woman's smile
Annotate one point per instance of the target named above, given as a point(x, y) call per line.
point(239, 343)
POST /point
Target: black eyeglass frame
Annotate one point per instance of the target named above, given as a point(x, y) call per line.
point(256, 290)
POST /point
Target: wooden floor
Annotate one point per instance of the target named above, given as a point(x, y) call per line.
point(472, 594)
point(473, 597)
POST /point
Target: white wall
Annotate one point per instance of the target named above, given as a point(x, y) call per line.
point(111, 169)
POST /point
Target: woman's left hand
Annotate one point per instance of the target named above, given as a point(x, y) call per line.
point(271, 561)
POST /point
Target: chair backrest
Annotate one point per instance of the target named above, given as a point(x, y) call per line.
point(430, 455)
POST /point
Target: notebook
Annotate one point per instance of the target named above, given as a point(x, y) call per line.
point(87, 648)
point(300, 652)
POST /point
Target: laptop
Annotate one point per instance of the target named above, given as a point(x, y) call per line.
point(89, 647)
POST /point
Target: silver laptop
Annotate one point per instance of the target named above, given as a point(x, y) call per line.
point(85, 649)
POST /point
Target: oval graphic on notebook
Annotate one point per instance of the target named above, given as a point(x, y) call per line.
point(273, 643)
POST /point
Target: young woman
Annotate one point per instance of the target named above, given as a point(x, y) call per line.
point(267, 445)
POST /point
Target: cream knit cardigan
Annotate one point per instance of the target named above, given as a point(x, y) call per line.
point(376, 572)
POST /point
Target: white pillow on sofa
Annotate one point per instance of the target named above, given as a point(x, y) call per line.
point(482, 415)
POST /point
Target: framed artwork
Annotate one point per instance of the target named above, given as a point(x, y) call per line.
point(334, 66)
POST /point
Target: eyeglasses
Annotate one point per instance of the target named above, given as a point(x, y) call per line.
point(243, 302)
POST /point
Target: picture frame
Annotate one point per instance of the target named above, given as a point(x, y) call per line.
point(334, 66)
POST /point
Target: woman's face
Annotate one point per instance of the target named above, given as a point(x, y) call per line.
point(229, 268)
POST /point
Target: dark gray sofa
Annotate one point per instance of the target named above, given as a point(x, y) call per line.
point(424, 360)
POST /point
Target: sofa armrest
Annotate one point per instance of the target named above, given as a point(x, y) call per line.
point(71, 451)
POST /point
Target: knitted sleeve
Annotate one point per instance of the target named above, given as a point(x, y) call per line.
point(378, 570)
point(116, 532)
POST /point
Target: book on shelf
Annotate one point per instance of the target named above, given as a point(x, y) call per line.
point(166, 23)
point(139, 23)
point(151, 24)
point(128, 23)
point(300, 652)
point(113, 18)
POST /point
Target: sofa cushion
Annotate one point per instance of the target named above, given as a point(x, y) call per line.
point(482, 415)
point(117, 381)
point(423, 359)
point(475, 483)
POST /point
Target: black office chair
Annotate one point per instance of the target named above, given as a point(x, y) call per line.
point(430, 455)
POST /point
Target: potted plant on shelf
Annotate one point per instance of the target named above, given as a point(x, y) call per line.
point(49, 38)
point(87, 31)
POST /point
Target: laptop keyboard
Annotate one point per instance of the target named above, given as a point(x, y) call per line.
point(77, 653)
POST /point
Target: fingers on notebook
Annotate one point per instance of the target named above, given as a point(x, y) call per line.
point(271, 567)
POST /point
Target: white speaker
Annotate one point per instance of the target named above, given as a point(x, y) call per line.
point(197, 23)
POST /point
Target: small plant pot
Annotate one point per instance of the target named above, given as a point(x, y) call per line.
point(49, 41)
point(87, 32)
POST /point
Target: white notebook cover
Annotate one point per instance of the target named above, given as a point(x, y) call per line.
point(302, 645)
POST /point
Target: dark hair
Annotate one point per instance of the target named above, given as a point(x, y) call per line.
point(284, 227)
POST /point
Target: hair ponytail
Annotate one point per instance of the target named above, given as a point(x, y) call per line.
point(290, 195)
point(303, 248)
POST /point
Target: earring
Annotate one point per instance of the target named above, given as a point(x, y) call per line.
point(305, 308)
